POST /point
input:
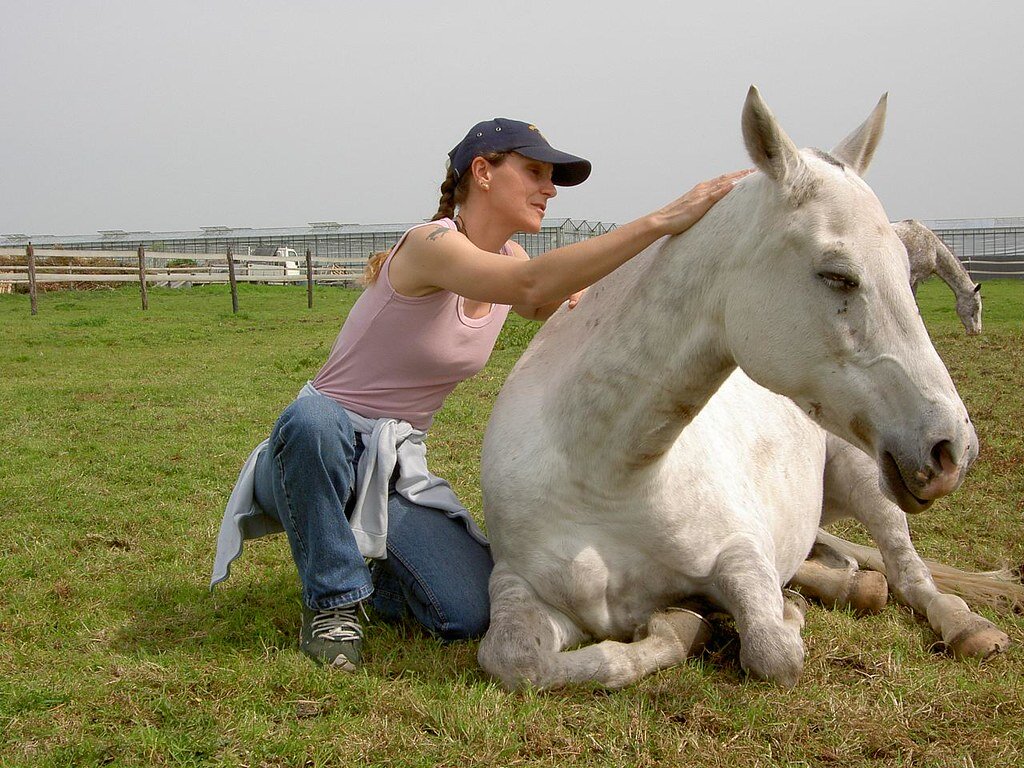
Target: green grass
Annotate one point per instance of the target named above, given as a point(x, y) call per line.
point(122, 432)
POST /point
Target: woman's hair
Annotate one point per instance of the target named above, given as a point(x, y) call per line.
point(453, 195)
point(373, 265)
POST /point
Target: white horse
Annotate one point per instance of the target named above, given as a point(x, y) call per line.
point(929, 255)
point(629, 464)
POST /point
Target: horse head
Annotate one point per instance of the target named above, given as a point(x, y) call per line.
point(968, 309)
point(827, 316)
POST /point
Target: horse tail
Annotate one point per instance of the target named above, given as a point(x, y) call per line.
point(996, 589)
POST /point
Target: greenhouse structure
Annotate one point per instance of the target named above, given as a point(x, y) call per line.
point(349, 244)
point(988, 248)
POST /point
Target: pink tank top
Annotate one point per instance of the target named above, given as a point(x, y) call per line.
point(400, 356)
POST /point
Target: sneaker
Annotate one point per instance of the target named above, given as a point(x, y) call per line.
point(333, 637)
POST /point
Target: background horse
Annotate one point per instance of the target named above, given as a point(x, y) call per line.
point(928, 255)
point(631, 461)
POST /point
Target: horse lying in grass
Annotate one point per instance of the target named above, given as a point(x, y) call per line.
point(667, 438)
point(928, 255)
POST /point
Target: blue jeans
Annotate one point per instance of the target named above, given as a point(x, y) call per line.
point(435, 571)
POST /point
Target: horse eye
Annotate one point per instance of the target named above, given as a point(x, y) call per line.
point(838, 282)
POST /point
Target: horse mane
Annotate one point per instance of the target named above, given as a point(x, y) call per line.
point(827, 157)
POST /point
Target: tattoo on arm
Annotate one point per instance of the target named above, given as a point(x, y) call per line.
point(438, 233)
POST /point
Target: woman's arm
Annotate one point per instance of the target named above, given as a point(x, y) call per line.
point(546, 311)
point(439, 258)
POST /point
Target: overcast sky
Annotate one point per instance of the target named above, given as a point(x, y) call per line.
point(166, 116)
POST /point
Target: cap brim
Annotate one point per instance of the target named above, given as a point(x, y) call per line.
point(569, 170)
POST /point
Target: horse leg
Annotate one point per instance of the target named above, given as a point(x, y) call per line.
point(746, 584)
point(835, 580)
point(523, 645)
point(851, 489)
point(669, 638)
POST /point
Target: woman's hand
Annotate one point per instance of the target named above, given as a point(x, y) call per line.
point(679, 215)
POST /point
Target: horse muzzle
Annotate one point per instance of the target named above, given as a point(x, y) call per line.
point(914, 483)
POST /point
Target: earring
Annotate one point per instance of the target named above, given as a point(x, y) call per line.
point(484, 185)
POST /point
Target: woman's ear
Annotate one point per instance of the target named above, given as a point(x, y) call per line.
point(481, 170)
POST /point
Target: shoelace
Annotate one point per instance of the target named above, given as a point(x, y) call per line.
point(337, 625)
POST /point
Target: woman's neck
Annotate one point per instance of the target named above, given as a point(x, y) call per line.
point(483, 229)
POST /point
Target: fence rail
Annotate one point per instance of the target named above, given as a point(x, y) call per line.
point(202, 268)
point(169, 269)
point(986, 252)
point(978, 269)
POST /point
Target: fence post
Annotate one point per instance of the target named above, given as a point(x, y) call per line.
point(309, 280)
point(231, 280)
point(31, 255)
point(142, 278)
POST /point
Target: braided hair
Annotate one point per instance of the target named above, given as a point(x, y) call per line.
point(453, 195)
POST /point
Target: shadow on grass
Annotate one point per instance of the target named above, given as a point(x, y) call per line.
point(168, 614)
point(263, 614)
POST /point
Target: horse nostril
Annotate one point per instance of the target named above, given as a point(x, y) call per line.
point(942, 457)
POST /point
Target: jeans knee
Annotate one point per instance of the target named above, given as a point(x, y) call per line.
point(445, 605)
point(465, 614)
point(471, 625)
point(314, 424)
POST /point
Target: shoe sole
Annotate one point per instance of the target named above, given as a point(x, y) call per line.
point(344, 665)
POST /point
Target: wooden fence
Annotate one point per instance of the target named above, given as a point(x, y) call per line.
point(43, 267)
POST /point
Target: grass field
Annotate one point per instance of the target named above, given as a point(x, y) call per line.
point(122, 434)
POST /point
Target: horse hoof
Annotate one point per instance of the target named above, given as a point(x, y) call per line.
point(978, 639)
point(794, 606)
point(862, 591)
point(869, 592)
point(687, 629)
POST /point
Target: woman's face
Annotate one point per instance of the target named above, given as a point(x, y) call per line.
point(520, 188)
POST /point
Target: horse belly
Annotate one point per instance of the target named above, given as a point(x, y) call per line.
point(607, 589)
point(572, 539)
point(609, 555)
point(751, 464)
point(574, 544)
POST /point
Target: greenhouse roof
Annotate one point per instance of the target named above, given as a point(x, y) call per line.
point(1003, 222)
point(336, 229)
point(313, 229)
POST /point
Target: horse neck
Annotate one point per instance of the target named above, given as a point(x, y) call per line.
point(644, 373)
point(952, 272)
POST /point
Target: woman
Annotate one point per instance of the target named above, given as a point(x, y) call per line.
point(344, 470)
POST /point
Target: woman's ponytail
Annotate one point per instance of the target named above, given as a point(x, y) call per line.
point(446, 206)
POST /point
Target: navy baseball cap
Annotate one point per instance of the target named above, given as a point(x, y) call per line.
point(504, 135)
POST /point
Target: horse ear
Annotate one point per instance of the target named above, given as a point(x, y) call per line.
point(857, 149)
point(977, 287)
point(772, 151)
